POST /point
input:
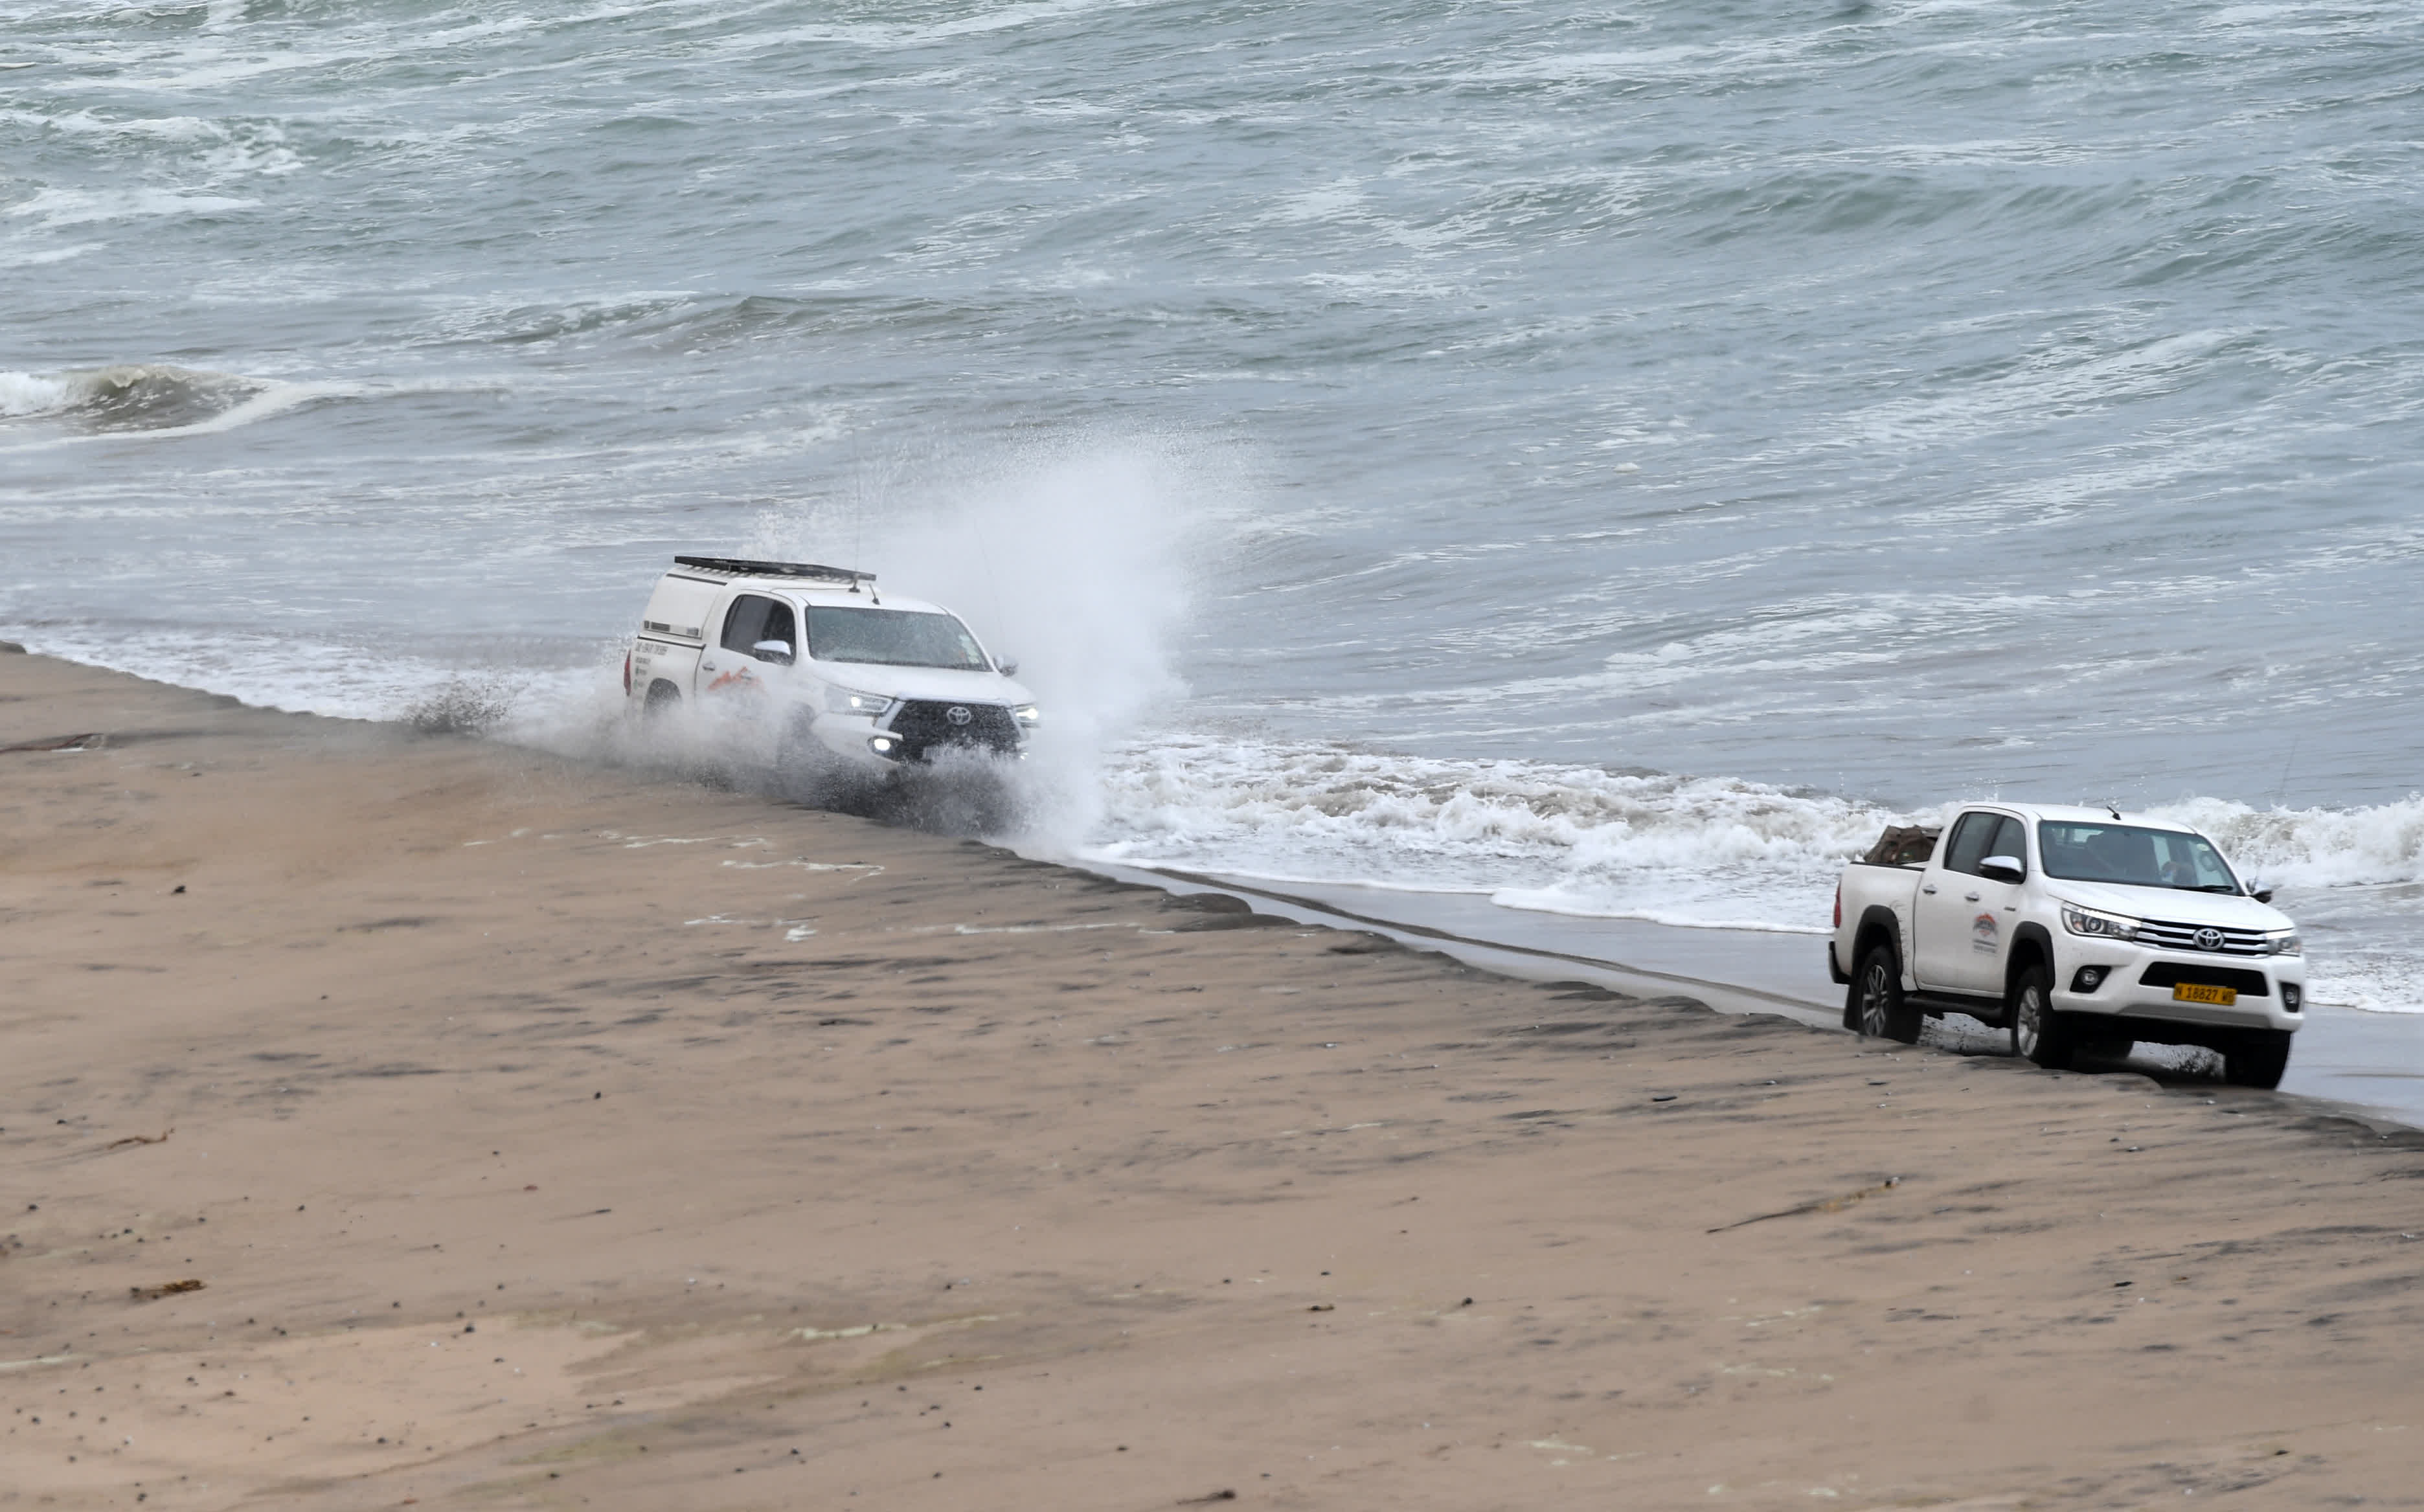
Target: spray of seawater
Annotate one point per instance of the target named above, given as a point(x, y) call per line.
point(1074, 559)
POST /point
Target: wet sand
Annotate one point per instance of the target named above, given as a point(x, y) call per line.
point(2371, 1063)
point(544, 1136)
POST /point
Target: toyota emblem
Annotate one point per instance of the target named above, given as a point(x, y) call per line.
point(2206, 939)
point(958, 714)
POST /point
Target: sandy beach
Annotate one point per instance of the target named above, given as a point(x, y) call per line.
point(392, 1120)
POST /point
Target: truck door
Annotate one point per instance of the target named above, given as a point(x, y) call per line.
point(754, 635)
point(1964, 918)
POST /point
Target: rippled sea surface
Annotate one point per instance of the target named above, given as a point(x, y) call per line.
point(1610, 457)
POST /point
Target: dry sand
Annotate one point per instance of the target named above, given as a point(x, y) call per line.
point(548, 1136)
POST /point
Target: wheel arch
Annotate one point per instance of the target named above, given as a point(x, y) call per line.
point(1879, 926)
point(2031, 945)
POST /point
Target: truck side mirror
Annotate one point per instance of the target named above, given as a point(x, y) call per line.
point(2261, 892)
point(2003, 868)
point(775, 651)
point(1008, 669)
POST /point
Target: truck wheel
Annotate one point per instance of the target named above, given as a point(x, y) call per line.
point(1878, 1011)
point(663, 698)
point(2039, 1034)
point(2256, 1059)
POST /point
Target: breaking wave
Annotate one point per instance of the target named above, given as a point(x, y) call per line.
point(1704, 851)
point(1277, 807)
point(2350, 876)
point(154, 398)
point(2313, 847)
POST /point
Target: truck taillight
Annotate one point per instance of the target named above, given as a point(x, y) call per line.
point(1839, 882)
point(627, 692)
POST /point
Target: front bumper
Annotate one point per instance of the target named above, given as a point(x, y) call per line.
point(881, 745)
point(2140, 983)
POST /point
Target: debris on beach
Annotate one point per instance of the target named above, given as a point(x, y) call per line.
point(92, 742)
point(1826, 1205)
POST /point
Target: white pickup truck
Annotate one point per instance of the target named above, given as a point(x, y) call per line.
point(810, 667)
point(2077, 929)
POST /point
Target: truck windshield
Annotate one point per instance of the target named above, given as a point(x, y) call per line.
point(2135, 857)
point(893, 638)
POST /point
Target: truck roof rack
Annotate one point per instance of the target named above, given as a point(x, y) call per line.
point(739, 567)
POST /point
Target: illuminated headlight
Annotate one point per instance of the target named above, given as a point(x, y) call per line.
point(1028, 715)
point(843, 701)
point(2286, 943)
point(2097, 925)
point(882, 745)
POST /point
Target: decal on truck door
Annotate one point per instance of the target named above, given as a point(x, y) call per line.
point(762, 630)
point(1985, 934)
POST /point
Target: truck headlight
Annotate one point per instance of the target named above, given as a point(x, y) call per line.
point(2286, 943)
point(844, 701)
point(1028, 715)
point(2098, 925)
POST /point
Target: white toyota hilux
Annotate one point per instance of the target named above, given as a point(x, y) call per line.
point(2077, 929)
point(811, 666)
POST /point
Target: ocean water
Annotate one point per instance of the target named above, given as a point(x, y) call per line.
point(1606, 458)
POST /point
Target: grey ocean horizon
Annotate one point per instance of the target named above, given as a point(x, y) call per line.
point(1608, 460)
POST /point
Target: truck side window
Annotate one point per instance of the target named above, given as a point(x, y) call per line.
point(2011, 839)
point(1971, 840)
point(779, 628)
point(755, 620)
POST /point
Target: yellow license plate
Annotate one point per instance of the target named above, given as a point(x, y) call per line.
point(2189, 992)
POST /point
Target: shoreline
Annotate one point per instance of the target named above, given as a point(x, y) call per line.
point(541, 1133)
point(2339, 1066)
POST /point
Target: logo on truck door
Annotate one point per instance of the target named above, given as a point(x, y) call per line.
point(1985, 934)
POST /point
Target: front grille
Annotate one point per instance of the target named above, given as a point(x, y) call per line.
point(926, 728)
point(2173, 973)
point(2172, 936)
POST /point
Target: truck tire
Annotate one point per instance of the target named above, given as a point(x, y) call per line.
point(2039, 1034)
point(1879, 1009)
point(663, 698)
point(2256, 1059)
